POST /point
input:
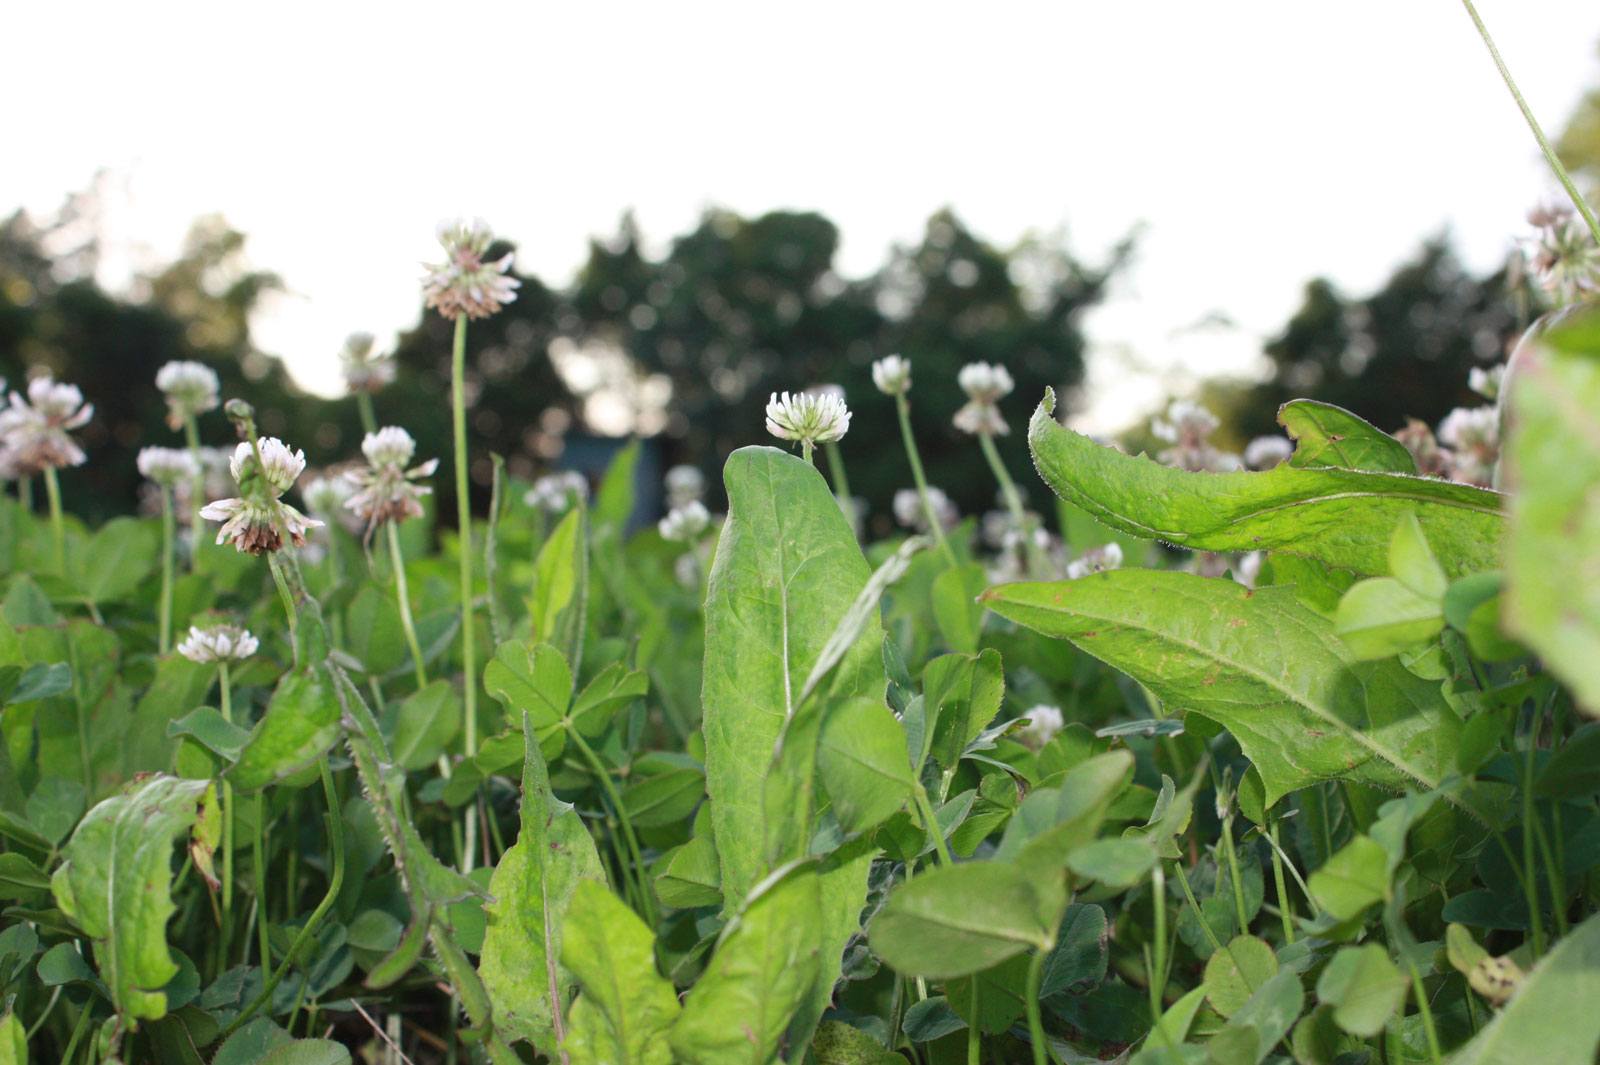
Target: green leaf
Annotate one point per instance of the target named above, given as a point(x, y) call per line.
point(13, 1041)
point(41, 681)
point(956, 609)
point(1237, 971)
point(1412, 562)
point(1260, 1023)
point(110, 565)
point(1340, 517)
point(625, 1009)
point(1552, 460)
point(532, 888)
point(1551, 1018)
point(614, 501)
point(837, 1043)
point(179, 686)
point(961, 694)
point(1259, 663)
point(207, 727)
point(300, 725)
point(761, 973)
point(20, 878)
point(861, 760)
point(655, 799)
point(532, 679)
point(373, 632)
point(1364, 988)
point(425, 722)
point(561, 587)
point(612, 690)
point(1380, 617)
point(690, 876)
point(961, 919)
point(1117, 863)
point(1326, 435)
point(1353, 879)
point(1081, 953)
point(115, 883)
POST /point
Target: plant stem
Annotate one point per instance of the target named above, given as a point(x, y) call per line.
point(1530, 881)
point(1031, 1003)
point(806, 447)
point(58, 528)
point(458, 409)
point(1239, 910)
point(599, 770)
point(972, 1025)
point(902, 407)
point(1285, 905)
point(930, 824)
point(1427, 1014)
point(1533, 124)
point(397, 562)
point(257, 850)
point(307, 930)
point(197, 490)
point(1199, 914)
point(168, 535)
point(225, 683)
point(286, 597)
point(1158, 974)
point(836, 474)
point(369, 420)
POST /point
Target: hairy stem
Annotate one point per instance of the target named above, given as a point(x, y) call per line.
point(397, 562)
point(458, 411)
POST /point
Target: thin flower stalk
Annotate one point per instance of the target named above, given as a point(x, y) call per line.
point(397, 562)
point(930, 514)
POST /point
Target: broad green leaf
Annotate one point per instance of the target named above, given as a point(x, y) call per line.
point(1552, 1017)
point(13, 1041)
point(690, 876)
point(532, 679)
point(1052, 823)
point(1170, 1030)
point(178, 688)
point(1259, 663)
point(861, 760)
point(115, 883)
point(662, 792)
point(40, 681)
point(1259, 1024)
point(1380, 617)
point(20, 878)
point(1340, 517)
point(300, 725)
point(614, 501)
point(961, 919)
point(961, 696)
point(560, 596)
point(207, 727)
point(1117, 863)
point(1353, 879)
point(762, 972)
point(1238, 971)
point(625, 1008)
point(956, 609)
point(111, 564)
point(1326, 435)
point(1081, 953)
point(1412, 561)
point(374, 634)
point(1552, 463)
point(532, 888)
point(1364, 988)
point(610, 692)
point(424, 723)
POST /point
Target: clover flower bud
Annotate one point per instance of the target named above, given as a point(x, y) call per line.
point(218, 643)
point(167, 466)
point(809, 417)
point(36, 433)
point(985, 385)
point(1043, 722)
point(191, 389)
point(685, 524)
point(1265, 452)
point(364, 369)
point(465, 283)
point(892, 375)
point(555, 493)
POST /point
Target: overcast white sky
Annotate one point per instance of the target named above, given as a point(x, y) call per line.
point(1260, 142)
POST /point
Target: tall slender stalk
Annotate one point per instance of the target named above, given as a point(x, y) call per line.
point(168, 550)
point(458, 408)
point(197, 490)
point(1031, 1004)
point(369, 418)
point(1240, 912)
point(930, 824)
point(902, 408)
point(1550, 155)
point(397, 562)
point(1285, 904)
point(224, 682)
point(836, 474)
point(58, 528)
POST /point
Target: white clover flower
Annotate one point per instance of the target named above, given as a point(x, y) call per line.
point(191, 388)
point(1473, 438)
point(464, 283)
point(1043, 723)
point(167, 466)
point(365, 370)
point(554, 493)
point(1186, 423)
point(1095, 560)
point(685, 524)
point(1564, 255)
point(218, 643)
point(809, 417)
point(36, 433)
point(327, 495)
point(1487, 382)
point(386, 489)
point(1265, 452)
point(685, 484)
point(892, 375)
point(908, 509)
point(258, 521)
point(985, 382)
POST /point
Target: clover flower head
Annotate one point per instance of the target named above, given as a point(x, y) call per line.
point(167, 466)
point(908, 509)
point(1486, 381)
point(685, 484)
point(1431, 459)
point(218, 643)
point(1043, 723)
point(985, 382)
point(1265, 452)
point(1472, 436)
point(810, 417)
point(365, 370)
point(1095, 560)
point(892, 375)
point(465, 283)
point(258, 521)
point(1563, 254)
point(554, 493)
point(1186, 423)
point(387, 491)
point(684, 524)
point(36, 432)
point(191, 388)
point(326, 495)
